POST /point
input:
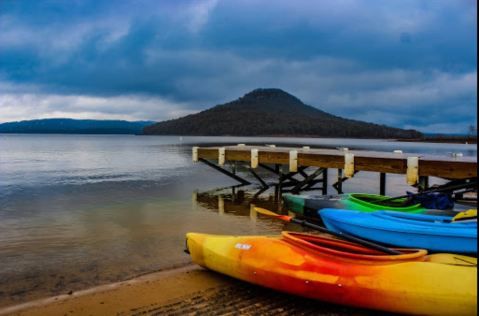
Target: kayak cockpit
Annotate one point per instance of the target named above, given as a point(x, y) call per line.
point(375, 201)
point(345, 249)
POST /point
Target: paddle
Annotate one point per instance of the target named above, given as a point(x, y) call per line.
point(438, 189)
point(362, 242)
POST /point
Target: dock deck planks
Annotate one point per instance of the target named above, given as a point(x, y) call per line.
point(446, 167)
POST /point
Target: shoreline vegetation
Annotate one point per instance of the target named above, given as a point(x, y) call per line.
point(74, 126)
point(443, 139)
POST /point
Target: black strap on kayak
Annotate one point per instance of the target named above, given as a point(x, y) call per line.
point(442, 188)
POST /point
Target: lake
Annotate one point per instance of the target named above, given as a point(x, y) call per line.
point(81, 210)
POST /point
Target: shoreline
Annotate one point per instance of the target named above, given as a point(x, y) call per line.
point(99, 299)
point(190, 289)
point(442, 140)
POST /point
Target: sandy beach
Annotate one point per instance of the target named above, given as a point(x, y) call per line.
point(189, 290)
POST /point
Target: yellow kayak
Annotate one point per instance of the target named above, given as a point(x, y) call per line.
point(341, 272)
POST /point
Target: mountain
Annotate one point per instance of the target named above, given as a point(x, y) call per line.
point(273, 112)
point(72, 126)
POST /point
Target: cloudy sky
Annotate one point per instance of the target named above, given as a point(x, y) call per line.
point(406, 63)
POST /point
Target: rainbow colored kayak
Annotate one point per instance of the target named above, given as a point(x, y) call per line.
point(341, 272)
point(308, 205)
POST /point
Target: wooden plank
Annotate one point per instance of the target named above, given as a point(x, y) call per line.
point(375, 164)
point(447, 169)
point(208, 153)
point(322, 161)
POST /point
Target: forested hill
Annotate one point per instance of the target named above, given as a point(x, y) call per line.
point(72, 126)
point(273, 112)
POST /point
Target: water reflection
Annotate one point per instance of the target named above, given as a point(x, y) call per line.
point(241, 201)
point(235, 201)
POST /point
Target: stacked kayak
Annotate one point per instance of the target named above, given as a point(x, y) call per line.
point(308, 205)
point(341, 272)
point(435, 233)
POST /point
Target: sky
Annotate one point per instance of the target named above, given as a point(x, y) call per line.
point(404, 63)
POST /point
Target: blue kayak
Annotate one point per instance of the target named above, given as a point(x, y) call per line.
point(435, 233)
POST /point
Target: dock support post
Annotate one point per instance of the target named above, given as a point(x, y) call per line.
point(276, 193)
point(254, 158)
point(194, 151)
point(263, 183)
point(339, 184)
point(224, 171)
point(308, 180)
point(277, 168)
point(382, 183)
point(325, 181)
point(280, 182)
point(349, 165)
point(293, 161)
point(412, 172)
point(221, 156)
point(423, 183)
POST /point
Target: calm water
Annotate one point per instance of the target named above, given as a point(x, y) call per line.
point(77, 211)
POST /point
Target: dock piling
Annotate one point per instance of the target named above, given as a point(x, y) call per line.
point(224, 171)
point(348, 165)
point(382, 183)
point(254, 158)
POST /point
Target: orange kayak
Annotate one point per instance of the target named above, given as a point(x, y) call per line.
point(341, 272)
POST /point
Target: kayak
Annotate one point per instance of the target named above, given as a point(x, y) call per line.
point(341, 272)
point(351, 201)
point(435, 233)
point(308, 205)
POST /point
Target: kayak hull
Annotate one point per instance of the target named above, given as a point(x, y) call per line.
point(434, 233)
point(413, 283)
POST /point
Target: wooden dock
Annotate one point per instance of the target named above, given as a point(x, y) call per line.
point(417, 168)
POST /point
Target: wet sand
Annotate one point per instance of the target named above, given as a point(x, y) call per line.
point(189, 290)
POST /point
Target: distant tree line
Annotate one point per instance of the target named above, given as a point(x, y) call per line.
point(72, 126)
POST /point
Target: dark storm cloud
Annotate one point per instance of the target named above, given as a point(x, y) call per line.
point(406, 61)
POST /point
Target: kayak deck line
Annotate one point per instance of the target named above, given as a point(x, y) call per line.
point(288, 162)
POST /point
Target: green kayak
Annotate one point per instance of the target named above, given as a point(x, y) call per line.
point(308, 205)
